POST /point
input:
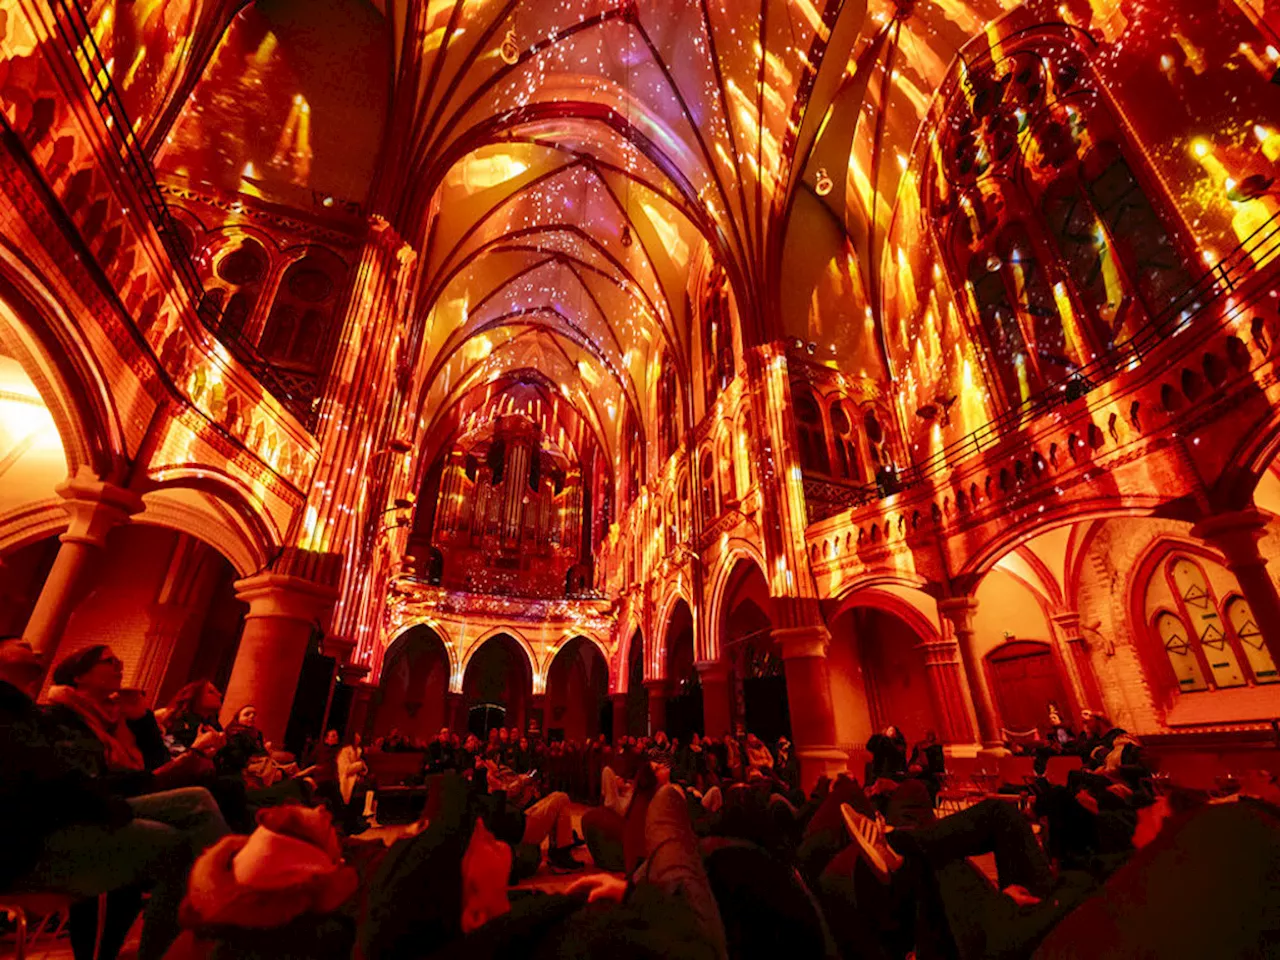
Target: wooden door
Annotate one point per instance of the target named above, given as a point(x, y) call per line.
point(1025, 679)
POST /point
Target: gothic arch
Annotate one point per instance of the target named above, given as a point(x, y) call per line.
point(38, 332)
point(736, 551)
point(530, 655)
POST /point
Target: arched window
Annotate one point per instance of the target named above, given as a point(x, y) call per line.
point(668, 410)
point(297, 330)
point(745, 459)
point(810, 429)
point(846, 445)
point(633, 478)
point(1206, 628)
point(707, 470)
point(231, 293)
point(876, 442)
point(717, 342)
point(728, 484)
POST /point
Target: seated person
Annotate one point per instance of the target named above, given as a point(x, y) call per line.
point(246, 752)
point(888, 751)
point(66, 832)
point(83, 709)
point(192, 711)
point(441, 755)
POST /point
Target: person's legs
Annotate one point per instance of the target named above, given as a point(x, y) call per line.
point(992, 826)
point(615, 791)
point(85, 861)
point(673, 864)
point(603, 830)
point(192, 810)
point(549, 819)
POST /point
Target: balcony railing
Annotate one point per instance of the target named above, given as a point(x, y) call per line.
point(1262, 247)
point(77, 35)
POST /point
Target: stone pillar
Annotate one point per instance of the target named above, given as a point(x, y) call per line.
point(361, 696)
point(951, 698)
point(657, 705)
point(717, 714)
point(958, 611)
point(94, 509)
point(1084, 682)
point(619, 715)
point(813, 722)
point(455, 713)
point(1236, 535)
point(283, 613)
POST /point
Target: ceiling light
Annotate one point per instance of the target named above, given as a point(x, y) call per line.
point(823, 185)
point(510, 50)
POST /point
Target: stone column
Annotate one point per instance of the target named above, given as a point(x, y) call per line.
point(657, 704)
point(455, 713)
point(1236, 535)
point(958, 611)
point(951, 698)
point(813, 722)
point(283, 613)
point(94, 508)
point(1084, 682)
point(619, 715)
point(717, 715)
point(361, 696)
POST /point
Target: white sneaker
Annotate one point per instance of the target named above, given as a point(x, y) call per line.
point(869, 835)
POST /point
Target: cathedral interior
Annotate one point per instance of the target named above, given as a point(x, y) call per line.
point(624, 365)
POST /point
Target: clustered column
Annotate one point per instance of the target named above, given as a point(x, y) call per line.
point(657, 704)
point(959, 611)
point(284, 612)
point(716, 712)
point(813, 723)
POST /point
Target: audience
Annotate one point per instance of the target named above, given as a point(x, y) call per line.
point(65, 830)
point(846, 871)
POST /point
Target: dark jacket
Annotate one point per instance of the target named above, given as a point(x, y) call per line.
point(441, 757)
point(39, 791)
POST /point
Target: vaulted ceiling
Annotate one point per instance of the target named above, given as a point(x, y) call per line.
point(570, 169)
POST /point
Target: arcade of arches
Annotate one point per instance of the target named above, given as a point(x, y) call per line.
point(613, 366)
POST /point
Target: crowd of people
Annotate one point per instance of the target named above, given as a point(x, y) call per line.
point(702, 848)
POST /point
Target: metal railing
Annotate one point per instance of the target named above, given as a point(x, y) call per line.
point(77, 35)
point(1260, 247)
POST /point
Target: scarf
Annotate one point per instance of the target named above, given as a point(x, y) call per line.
point(103, 720)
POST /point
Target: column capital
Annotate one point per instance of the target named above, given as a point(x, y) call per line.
point(657, 687)
point(960, 611)
point(1236, 533)
point(807, 641)
point(1068, 621)
point(353, 675)
point(713, 671)
point(95, 508)
point(340, 648)
point(281, 597)
point(940, 652)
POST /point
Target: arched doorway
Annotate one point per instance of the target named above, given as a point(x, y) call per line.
point(499, 677)
point(637, 701)
point(1025, 680)
point(577, 692)
point(758, 683)
point(684, 703)
point(413, 693)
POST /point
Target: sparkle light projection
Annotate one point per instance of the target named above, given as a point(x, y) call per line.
point(1116, 243)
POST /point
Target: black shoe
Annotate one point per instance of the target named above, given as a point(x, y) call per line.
point(562, 860)
point(577, 841)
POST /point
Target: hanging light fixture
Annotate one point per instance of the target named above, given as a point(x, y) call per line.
point(510, 50)
point(823, 185)
point(626, 235)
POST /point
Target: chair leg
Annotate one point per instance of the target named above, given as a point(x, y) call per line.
point(19, 918)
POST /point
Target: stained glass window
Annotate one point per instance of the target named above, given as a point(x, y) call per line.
point(1206, 623)
point(1186, 665)
point(1251, 643)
